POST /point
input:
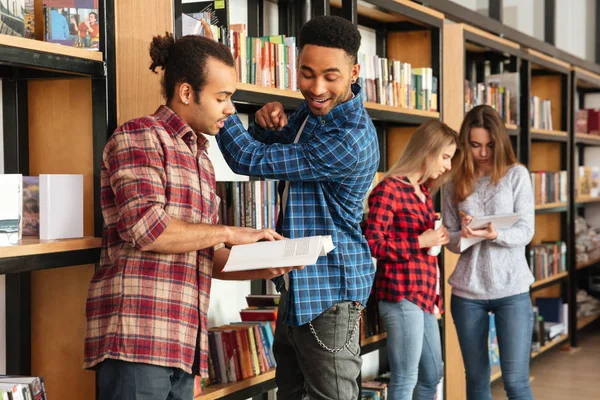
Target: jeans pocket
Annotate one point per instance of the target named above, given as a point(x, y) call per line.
point(338, 328)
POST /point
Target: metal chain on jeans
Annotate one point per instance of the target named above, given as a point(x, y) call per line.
point(345, 346)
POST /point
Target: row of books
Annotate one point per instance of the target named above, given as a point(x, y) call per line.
point(541, 113)
point(588, 121)
point(549, 186)
point(251, 204)
point(22, 388)
point(491, 94)
point(548, 259)
point(49, 206)
point(241, 350)
point(395, 83)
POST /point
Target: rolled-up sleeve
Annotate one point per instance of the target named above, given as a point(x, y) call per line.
point(138, 179)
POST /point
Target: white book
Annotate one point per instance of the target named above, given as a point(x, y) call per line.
point(498, 221)
point(61, 206)
point(279, 253)
point(11, 208)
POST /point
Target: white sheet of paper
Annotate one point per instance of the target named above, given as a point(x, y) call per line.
point(498, 221)
point(279, 253)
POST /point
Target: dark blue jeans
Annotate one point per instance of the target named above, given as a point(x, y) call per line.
point(121, 380)
point(514, 328)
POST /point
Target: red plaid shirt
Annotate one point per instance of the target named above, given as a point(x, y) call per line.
point(148, 307)
point(396, 219)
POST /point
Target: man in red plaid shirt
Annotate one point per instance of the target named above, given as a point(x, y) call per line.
point(147, 304)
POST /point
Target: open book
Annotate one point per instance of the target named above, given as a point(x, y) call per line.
point(279, 253)
point(498, 221)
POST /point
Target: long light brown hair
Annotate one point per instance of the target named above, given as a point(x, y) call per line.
point(427, 143)
point(503, 156)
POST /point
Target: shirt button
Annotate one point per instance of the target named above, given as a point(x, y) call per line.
point(322, 122)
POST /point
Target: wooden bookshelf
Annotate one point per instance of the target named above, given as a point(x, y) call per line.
point(588, 264)
point(558, 64)
point(489, 36)
point(587, 199)
point(585, 138)
point(582, 322)
point(420, 113)
point(218, 391)
point(557, 341)
point(550, 279)
point(549, 206)
point(586, 79)
point(373, 10)
point(52, 48)
point(32, 246)
point(549, 134)
point(496, 373)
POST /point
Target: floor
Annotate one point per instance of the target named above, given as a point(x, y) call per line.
point(564, 374)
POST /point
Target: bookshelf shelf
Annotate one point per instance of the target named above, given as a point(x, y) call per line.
point(49, 58)
point(547, 135)
point(549, 280)
point(588, 264)
point(582, 322)
point(488, 41)
point(584, 138)
point(240, 390)
point(544, 61)
point(496, 373)
point(35, 254)
point(586, 79)
point(513, 129)
point(587, 199)
point(556, 342)
point(551, 207)
point(390, 11)
point(258, 95)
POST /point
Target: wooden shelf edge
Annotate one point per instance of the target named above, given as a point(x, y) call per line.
point(587, 136)
point(588, 263)
point(549, 132)
point(374, 339)
point(490, 36)
point(550, 345)
point(496, 373)
point(548, 206)
point(35, 246)
point(585, 321)
point(593, 77)
point(249, 87)
point(511, 126)
point(550, 279)
point(219, 390)
point(46, 47)
point(549, 59)
point(399, 110)
point(587, 199)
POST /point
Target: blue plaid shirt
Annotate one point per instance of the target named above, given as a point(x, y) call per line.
point(329, 170)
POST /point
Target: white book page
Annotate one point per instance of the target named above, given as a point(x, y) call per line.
point(281, 253)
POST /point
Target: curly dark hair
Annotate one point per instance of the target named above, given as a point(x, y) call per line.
point(184, 60)
point(331, 31)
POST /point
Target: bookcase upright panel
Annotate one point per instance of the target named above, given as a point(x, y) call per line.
point(60, 142)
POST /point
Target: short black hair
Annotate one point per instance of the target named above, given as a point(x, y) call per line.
point(184, 60)
point(331, 31)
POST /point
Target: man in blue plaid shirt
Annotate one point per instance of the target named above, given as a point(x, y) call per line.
point(326, 154)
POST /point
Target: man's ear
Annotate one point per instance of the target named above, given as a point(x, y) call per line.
point(185, 93)
point(355, 73)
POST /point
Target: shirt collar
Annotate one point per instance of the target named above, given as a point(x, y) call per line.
point(177, 127)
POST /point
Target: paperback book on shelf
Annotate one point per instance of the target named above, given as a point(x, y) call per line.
point(11, 208)
point(61, 206)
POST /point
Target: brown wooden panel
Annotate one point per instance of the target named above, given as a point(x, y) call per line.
point(547, 228)
point(397, 139)
point(548, 87)
point(412, 47)
point(60, 134)
point(545, 156)
point(453, 111)
point(58, 331)
point(138, 89)
point(550, 291)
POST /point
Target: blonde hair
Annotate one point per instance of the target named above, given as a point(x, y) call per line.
point(503, 156)
point(429, 140)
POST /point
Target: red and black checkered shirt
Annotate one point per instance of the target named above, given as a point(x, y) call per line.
point(142, 306)
point(396, 219)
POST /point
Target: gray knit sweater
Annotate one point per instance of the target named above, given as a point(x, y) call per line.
point(498, 268)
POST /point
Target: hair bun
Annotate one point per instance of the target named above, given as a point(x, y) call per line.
point(159, 50)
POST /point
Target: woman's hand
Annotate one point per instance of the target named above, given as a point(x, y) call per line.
point(487, 233)
point(431, 237)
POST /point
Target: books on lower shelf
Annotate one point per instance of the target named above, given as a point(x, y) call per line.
point(548, 259)
point(14, 387)
point(549, 186)
point(240, 350)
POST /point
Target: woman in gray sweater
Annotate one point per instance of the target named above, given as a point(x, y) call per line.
point(492, 275)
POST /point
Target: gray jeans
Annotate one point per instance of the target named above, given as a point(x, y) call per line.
point(305, 370)
point(121, 380)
